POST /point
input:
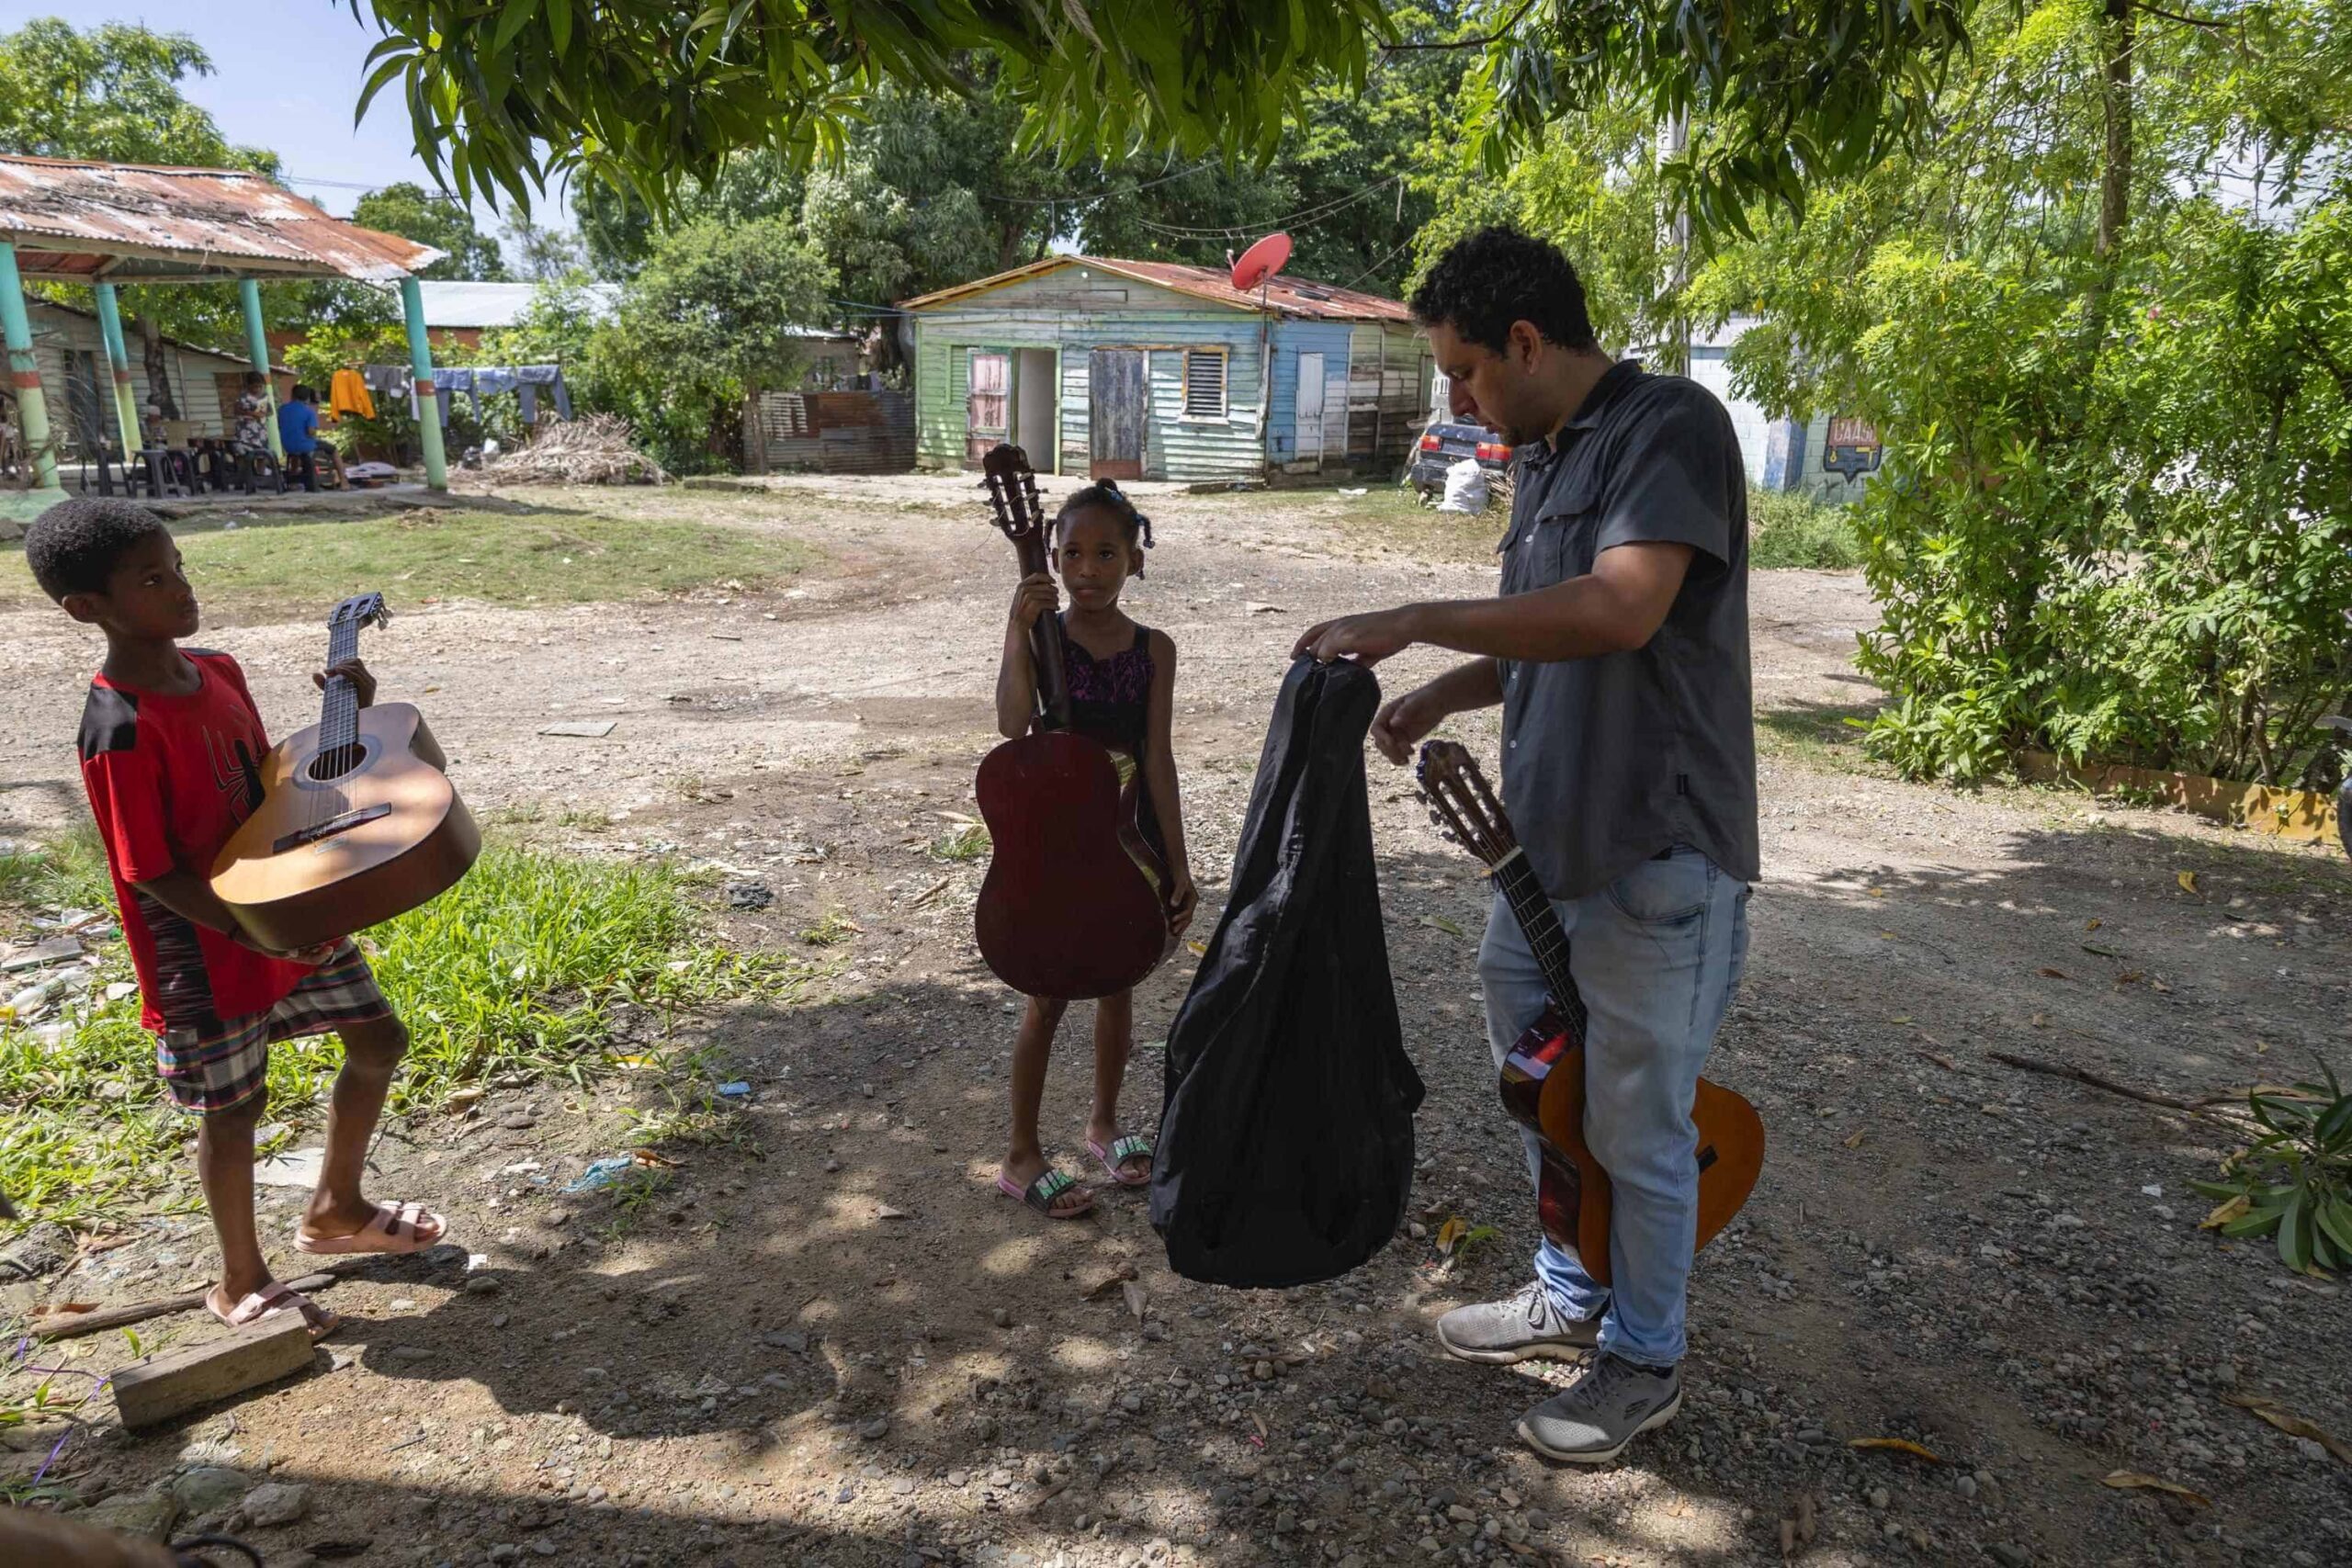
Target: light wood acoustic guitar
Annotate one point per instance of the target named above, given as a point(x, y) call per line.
point(1542, 1078)
point(357, 821)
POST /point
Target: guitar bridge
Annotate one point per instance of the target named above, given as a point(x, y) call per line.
point(329, 828)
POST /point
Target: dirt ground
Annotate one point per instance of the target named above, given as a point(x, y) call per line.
point(828, 1340)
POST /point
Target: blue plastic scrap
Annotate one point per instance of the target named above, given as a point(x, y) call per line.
point(736, 1091)
point(601, 1173)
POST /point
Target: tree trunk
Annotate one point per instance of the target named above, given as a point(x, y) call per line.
point(157, 357)
point(2120, 35)
point(2115, 176)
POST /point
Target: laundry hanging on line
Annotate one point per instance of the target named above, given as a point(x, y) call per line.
point(528, 382)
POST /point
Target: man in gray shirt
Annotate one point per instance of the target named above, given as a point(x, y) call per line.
point(1618, 649)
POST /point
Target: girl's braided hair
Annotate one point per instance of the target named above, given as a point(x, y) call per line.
point(1107, 494)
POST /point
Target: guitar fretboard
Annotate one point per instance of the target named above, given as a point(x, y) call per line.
point(1545, 937)
point(339, 713)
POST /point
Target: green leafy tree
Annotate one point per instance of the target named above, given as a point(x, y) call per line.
point(113, 93)
point(708, 321)
point(543, 255)
point(658, 97)
point(408, 209)
point(2098, 320)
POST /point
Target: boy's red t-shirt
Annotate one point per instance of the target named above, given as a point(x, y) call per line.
point(170, 778)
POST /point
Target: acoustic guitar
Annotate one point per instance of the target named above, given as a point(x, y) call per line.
point(356, 822)
point(1074, 906)
point(1542, 1078)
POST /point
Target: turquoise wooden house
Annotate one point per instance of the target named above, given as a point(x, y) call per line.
point(1129, 369)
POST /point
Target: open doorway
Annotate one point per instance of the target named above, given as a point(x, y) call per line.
point(1034, 406)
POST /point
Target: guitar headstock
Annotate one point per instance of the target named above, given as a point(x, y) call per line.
point(1013, 491)
point(359, 610)
point(1460, 803)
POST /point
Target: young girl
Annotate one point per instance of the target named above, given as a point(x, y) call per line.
point(1121, 687)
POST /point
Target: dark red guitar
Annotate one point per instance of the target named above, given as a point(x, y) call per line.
point(1074, 905)
point(1542, 1078)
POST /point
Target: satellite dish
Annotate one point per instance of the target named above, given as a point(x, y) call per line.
point(1261, 262)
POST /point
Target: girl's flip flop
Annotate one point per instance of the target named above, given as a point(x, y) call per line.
point(1122, 1150)
point(1042, 1194)
point(388, 1229)
point(273, 1300)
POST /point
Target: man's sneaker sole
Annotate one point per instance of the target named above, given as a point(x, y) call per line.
point(1540, 1349)
point(1658, 1417)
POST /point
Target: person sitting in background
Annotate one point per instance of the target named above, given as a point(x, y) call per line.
point(298, 433)
point(253, 408)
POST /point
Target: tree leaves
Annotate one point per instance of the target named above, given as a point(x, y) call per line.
point(655, 97)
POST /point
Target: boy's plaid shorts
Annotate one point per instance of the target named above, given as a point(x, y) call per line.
point(214, 1069)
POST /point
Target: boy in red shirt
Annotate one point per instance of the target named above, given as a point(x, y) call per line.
point(171, 751)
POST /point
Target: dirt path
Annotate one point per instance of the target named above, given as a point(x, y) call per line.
point(828, 1341)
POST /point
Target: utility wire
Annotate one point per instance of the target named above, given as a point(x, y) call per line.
point(1299, 218)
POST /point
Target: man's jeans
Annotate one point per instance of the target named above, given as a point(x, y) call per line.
point(1657, 956)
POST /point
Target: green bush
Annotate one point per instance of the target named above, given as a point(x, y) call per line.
point(1793, 529)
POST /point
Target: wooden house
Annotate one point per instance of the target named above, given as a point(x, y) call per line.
point(71, 355)
point(1129, 369)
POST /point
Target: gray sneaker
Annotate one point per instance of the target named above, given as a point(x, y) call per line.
point(1525, 1326)
point(1597, 1416)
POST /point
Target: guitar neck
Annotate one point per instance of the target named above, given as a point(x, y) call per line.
point(339, 712)
point(1545, 936)
point(1045, 642)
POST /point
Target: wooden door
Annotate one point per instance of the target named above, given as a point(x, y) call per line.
point(1310, 409)
point(1118, 407)
point(986, 404)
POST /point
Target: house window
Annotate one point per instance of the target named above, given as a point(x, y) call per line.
point(985, 410)
point(1205, 383)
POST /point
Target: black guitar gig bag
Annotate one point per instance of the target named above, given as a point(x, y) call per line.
point(1285, 1151)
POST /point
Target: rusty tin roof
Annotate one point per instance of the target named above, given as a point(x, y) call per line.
point(78, 222)
point(1285, 296)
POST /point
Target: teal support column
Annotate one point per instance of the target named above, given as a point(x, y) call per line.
point(257, 346)
point(126, 404)
point(24, 381)
point(428, 406)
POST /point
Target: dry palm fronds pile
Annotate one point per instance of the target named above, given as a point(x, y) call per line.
point(595, 450)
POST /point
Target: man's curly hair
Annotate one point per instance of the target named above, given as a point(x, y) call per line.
point(1498, 275)
point(72, 547)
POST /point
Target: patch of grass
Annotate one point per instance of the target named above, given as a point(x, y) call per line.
point(1394, 517)
point(1789, 529)
point(831, 932)
point(1817, 734)
point(268, 570)
point(584, 819)
point(523, 967)
point(69, 874)
point(966, 843)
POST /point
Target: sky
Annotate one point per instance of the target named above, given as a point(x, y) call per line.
point(286, 77)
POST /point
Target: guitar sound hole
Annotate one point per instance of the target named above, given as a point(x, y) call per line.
point(334, 762)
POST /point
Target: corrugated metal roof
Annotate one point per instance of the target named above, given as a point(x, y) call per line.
point(85, 222)
point(1285, 296)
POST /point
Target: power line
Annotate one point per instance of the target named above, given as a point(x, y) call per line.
point(1097, 195)
point(1292, 220)
point(1384, 260)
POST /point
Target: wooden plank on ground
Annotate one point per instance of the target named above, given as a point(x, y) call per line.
point(72, 1325)
point(2304, 815)
point(177, 1382)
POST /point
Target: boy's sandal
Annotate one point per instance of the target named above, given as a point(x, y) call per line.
point(1122, 1150)
point(271, 1300)
point(388, 1229)
point(1043, 1193)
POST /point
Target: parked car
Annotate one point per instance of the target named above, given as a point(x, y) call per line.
point(1446, 441)
point(1444, 445)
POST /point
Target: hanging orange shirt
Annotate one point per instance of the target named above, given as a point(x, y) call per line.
point(348, 394)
